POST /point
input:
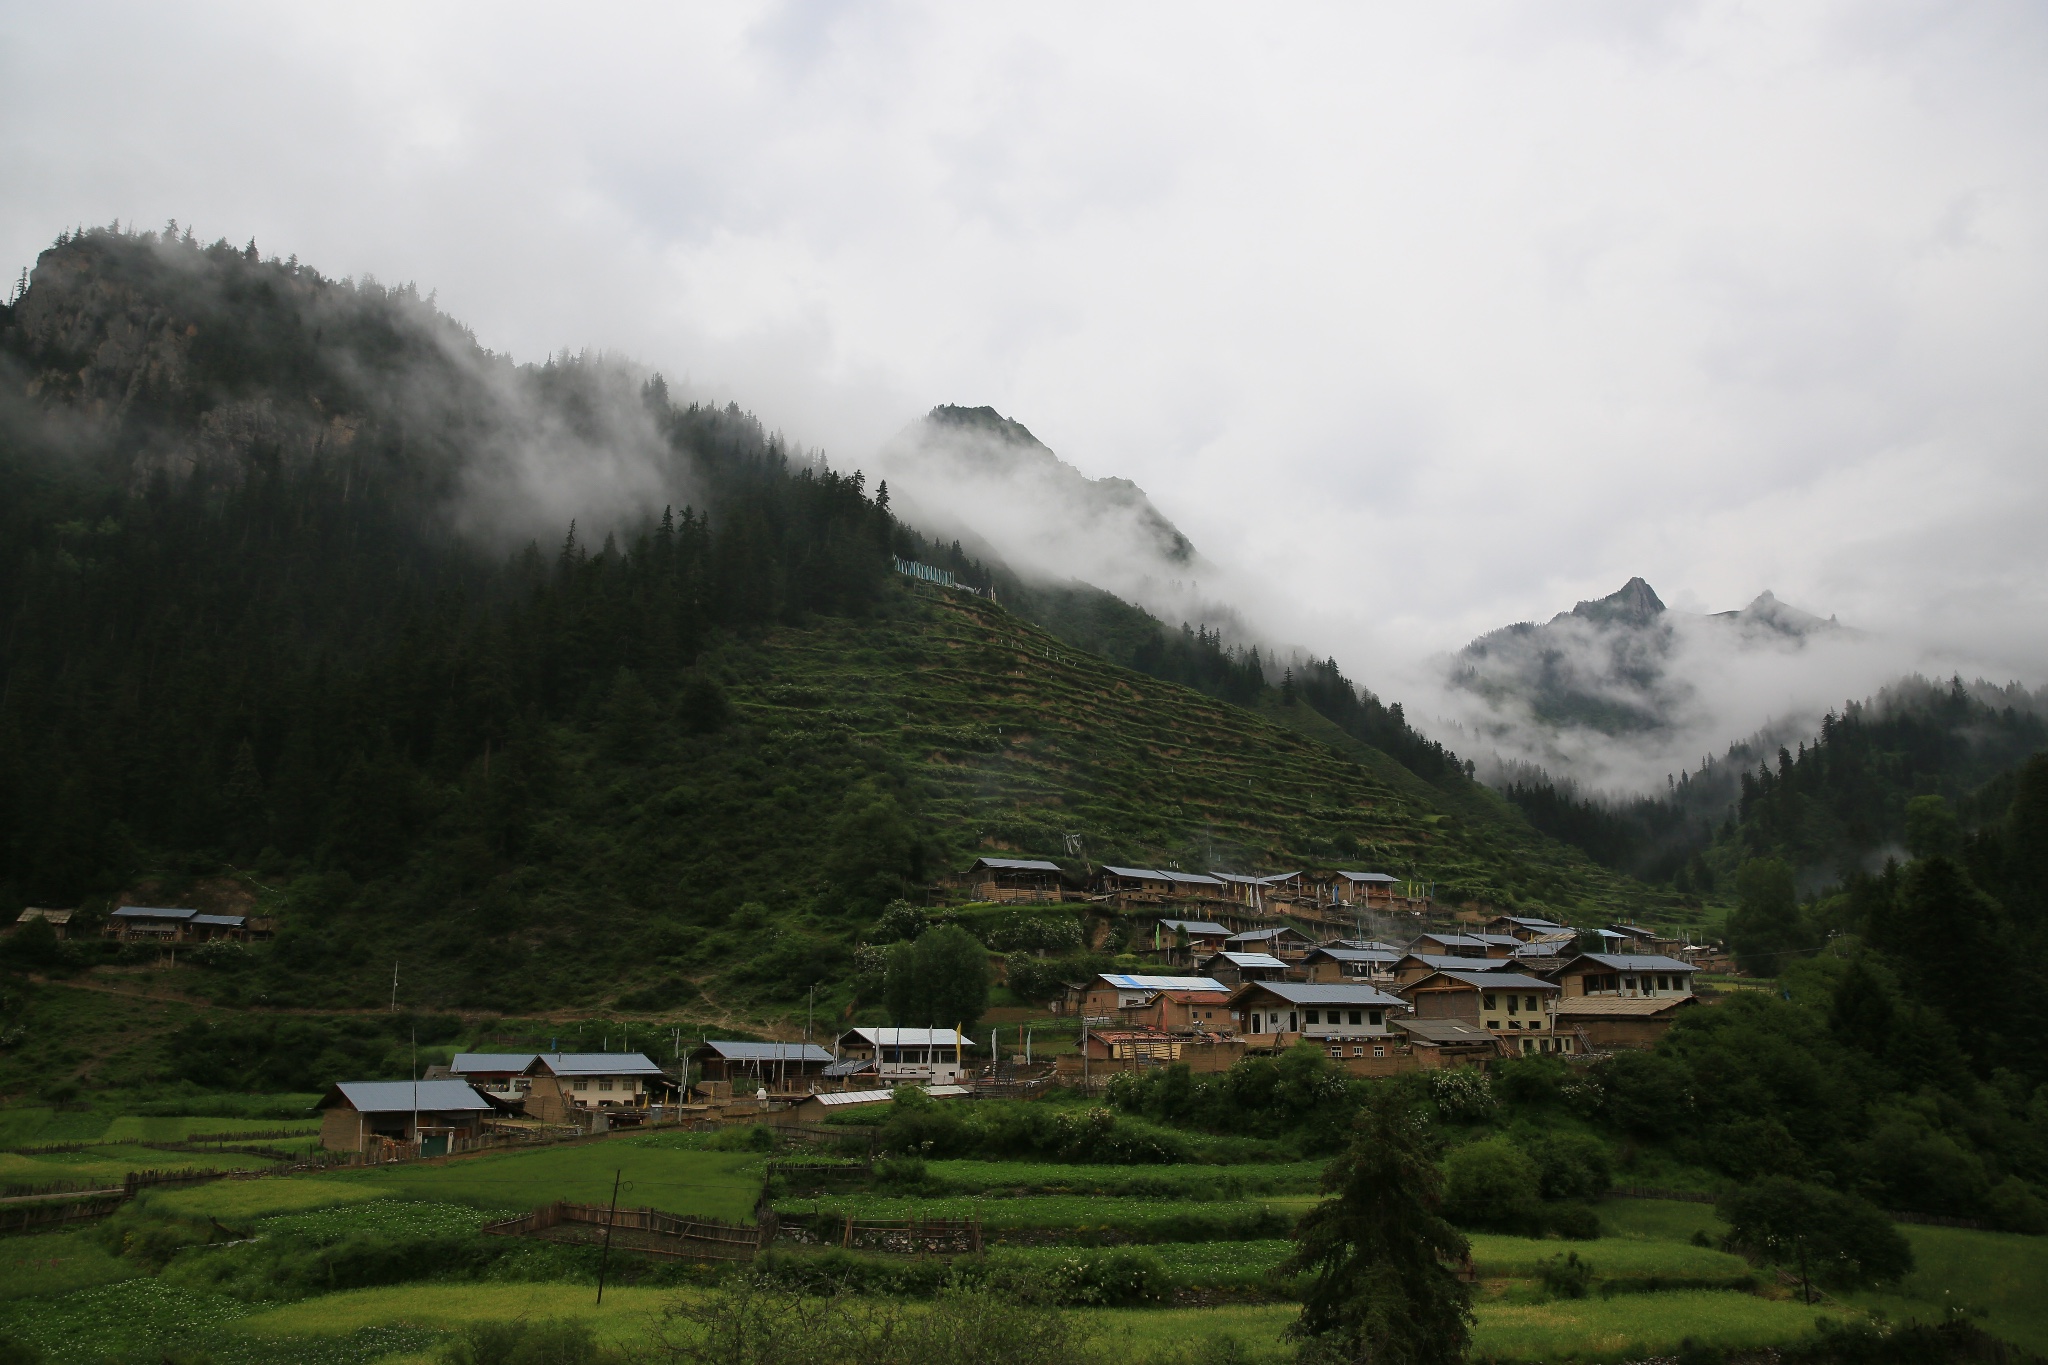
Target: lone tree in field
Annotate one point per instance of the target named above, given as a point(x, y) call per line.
point(1833, 1239)
point(1386, 1291)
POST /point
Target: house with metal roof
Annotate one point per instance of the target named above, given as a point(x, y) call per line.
point(1525, 927)
point(160, 922)
point(1359, 888)
point(1626, 976)
point(1414, 966)
point(816, 1108)
point(1140, 886)
point(1464, 945)
point(58, 920)
point(1234, 969)
point(1282, 1012)
point(566, 1087)
point(1330, 963)
point(1115, 995)
point(774, 1067)
point(1611, 1021)
point(364, 1116)
point(501, 1075)
point(907, 1056)
point(1282, 941)
point(1506, 1003)
point(1010, 880)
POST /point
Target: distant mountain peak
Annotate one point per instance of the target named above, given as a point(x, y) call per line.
point(986, 420)
point(1635, 603)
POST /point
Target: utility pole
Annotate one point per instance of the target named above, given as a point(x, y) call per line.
point(394, 986)
point(605, 1258)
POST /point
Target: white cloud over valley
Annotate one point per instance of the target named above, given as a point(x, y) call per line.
point(1417, 320)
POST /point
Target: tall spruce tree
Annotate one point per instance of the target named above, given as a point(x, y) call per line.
point(1385, 1289)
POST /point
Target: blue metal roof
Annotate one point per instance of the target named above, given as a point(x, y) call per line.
point(394, 1097)
point(152, 912)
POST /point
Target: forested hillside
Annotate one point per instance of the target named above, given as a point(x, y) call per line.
point(1830, 807)
point(266, 606)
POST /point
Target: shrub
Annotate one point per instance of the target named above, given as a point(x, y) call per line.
point(1566, 1276)
point(2017, 1206)
point(1462, 1095)
point(554, 1341)
point(1116, 1277)
point(1842, 1240)
point(1570, 1165)
point(1573, 1222)
point(1646, 1093)
point(1491, 1184)
point(1057, 934)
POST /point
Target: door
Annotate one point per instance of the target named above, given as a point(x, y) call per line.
point(433, 1144)
point(1293, 1022)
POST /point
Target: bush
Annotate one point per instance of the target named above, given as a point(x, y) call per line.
point(554, 1341)
point(1492, 1184)
point(1646, 1093)
point(1565, 1276)
point(1843, 1241)
point(1462, 1095)
point(1053, 934)
point(1569, 1165)
point(2017, 1206)
point(1573, 1222)
point(1117, 1277)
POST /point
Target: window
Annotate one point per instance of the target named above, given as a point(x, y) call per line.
point(1314, 1018)
point(1336, 1052)
point(1358, 1052)
point(1530, 1004)
point(1374, 1017)
point(1256, 1022)
point(1514, 1003)
point(1274, 1020)
point(605, 1084)
point(1663, 983)
point(1486, 1002)
point(1493, 1023)
point(1357, 1016)
point(582, 1085)
point(1379, 1052)
point(1631, 983)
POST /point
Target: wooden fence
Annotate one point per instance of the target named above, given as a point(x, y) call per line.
point(648, 1231)
point(50, 1213)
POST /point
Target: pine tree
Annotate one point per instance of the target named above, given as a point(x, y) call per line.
point(1380, 1251)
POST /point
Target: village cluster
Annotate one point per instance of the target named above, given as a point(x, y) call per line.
point(1249, 964)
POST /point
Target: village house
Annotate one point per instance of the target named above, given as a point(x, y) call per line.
point(1440, 1043)
point(1464, 945)
point(1181, 1011)
point(58, 920)
point(1412, 967)
point(817, 1108)
point(1610, 1021)
point(1366, 945)
point(1330, 963)
point(1335, 1015)
point(164, 924)
point(1624, 976)
point(1234, 969)
point(1523, 927)
point(564, 1086)
point(1135, 887)
point(1362, 888)
point(1502, 1002)
point(1245, 890)
point(1112, 995)
point(778, 1068)
point(500, 1075)
point(360, 1116)
point(1183, 942)
point(902, 1056)
point(1015, 880)
point(1282, 941)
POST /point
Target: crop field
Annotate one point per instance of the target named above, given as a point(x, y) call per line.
point(1209, 1229)
point(1161, 1182)
point(1996, 1277)
point(652, 1172)
point(1088, 1218)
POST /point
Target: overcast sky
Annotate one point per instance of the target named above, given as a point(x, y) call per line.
point(1424, 318)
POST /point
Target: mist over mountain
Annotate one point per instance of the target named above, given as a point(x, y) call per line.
point(1622, 691)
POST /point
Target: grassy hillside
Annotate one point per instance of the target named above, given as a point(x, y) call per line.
point(1017, 739)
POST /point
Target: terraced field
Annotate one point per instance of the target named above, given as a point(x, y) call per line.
point(1018, 739)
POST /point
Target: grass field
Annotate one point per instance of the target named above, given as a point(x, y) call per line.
point(1660, 1220)
point(1998, 1277)
point(57, 1263)
point(1155, 1220)
point(654, 1174)
point(1186, 1182)
point(1613, 1258)
point(108, 1163)
point(239, 1200)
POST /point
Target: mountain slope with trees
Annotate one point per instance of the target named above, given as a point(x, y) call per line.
point(266, 606)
